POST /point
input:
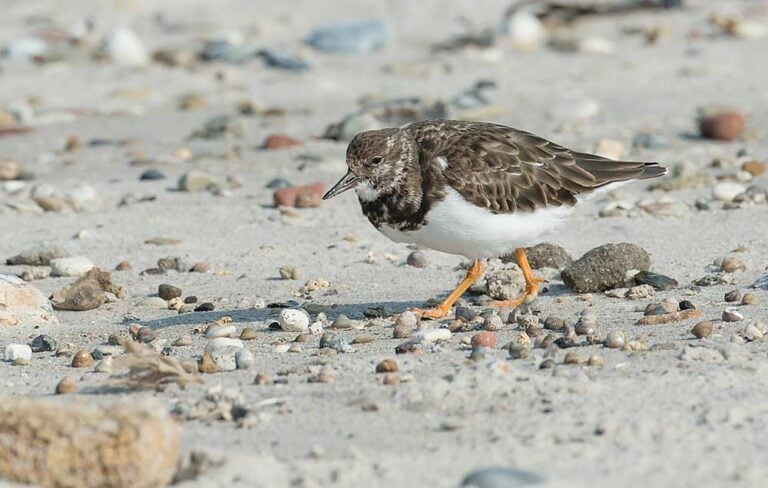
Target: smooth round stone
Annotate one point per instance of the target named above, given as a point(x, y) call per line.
point(224, 357)
point(185, 340)
point(727, 191)
point(223, 342)
point(434, 335)
point(614, 340)
point(387, 366)
point(293, 320)
point(146, 335)
point(281, 348)
point(66, 386)
point(82, 359)
point(417, 259)
point(244, 359)
point(516, 351)
point(493, 322)
point(342, 322)
point(730, 314)
point(407, 319)
point(248, 334)
point(17, 352)
point(70, 266)
point(220, 331)
point(155, 302)
point(501, 477)
point(167, 292)
point(750, 299)
point(484, 339)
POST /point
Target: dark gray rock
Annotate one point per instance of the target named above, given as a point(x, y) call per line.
point(657, 281)
point(43, 343)
point(417, 259)
point(605, 267)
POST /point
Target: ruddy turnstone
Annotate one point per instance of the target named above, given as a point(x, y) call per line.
point(475, 189)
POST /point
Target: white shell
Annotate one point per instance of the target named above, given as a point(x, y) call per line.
point(15, 352)
point(70, 266)
point(433, 335)
point(293, 320)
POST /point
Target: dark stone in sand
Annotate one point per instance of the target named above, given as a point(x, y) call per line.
point(657, 281)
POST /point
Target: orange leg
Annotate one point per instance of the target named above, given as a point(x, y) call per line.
point(531, 283)
point(442, 310)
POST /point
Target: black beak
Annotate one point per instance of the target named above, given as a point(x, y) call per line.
point(349, 181)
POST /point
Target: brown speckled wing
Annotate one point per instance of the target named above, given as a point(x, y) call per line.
point(508, 170)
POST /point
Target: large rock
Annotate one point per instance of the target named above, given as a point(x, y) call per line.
point(74, 443)
point(605, 267)
point(23, 304)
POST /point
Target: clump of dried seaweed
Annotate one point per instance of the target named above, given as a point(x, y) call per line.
point(143, 369)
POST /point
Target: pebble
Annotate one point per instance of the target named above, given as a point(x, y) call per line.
point(417, 259)
point(281, 348)
point(193, 299)
point(248, 334)
point(732, 265)
point(727, 191)
point(614, 340)
point(656, 280)
point(155, 302)
point(201, 267)
point(721, 124)
point(283, 60)
point(106, 365)
point(484, 339)
point(387, 366)
point(145, 335)
point(280, 141)
point(501, 477)
point(573, 358)
point(195, 180)
point(43, 343)
point(295, 348)
point(221, 127)
point(17, 352)
point(82, 359)
point(751, 333)
point(335, 342)
point(175, 303)
point(342, 322)
point(754, 168)
point(152, 175)
point(223, 357)
point(391, 379)
point(433, 335)
point(686, 305)
point(750, 299)
point(733, 296)
point(214, 331)
point(244, 359)
point(407, 319)
point(167, 292)
point(595, 360)
point(730, 314)
point(493, 322)
point(40, 255)
point(293, 320)
point(547, 364)
point(402, 331)
point(525, 30)
point(66, 386)
point(206, 365)
point(125, 48)
point(204, 307)
point(639, 292)
point(263, 379)
point(305, 196)
point(70, 266)
point(352, 37)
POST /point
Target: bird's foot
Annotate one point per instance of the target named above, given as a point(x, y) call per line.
point(432, 313)
point(530, 294)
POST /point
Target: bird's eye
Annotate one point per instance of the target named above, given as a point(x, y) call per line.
point(376, 160)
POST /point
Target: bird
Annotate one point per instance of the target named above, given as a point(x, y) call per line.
point(475, 189)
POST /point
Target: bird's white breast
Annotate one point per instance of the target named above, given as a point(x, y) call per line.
point(457, 226)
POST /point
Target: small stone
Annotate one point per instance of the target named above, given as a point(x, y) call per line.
point(123, 266)
point(146, 335)
point(175, 303)
point(244, 359)
point(733, 296)
point(300, 196)
point(417, 259)
point(407, 319)
point(640, 292)
point(195, 180)
point(82, 359)
point(517, 351)
point(614, 340)
point(573, 358)
point(732, 315)
point(391, 379)
point(183, 341)
point(151, 175)
point(433, 335)
point(66, 386)
point(221, 127)
point(585, 326)
point(70, 266)
point(350, 37)
point(727, 191)
point(303, 337)
point(686, 305)
point(106, 365)
point(484, 339)
point(335, 342)
point(17, 352)
point(9, 170)
point(167, 292)
point(702, 330)
point(750, 299)
point(387, 366)
point(43, 343)
point(125, 48)
point(248, 334)
point(215, 331)
point(493, 322)
point(295, 348)
point(290, 273)
point(547, 364)
point(656, 280)
point(402, 331)
point(280, 141)
point(201, 267)
point(605, 267)
point(293, 320)
point(554, 323)
point(263, 379)
point(721, 124)
point(595, 360)
point(205, 307)
point(155, 302)
point(192, 299)
point(324, 377)
point(502, 477)
point(342, 322)
point(465, 314)
point(206, 365)
point(223, 356)
point(755, 168)
point(732, 265)
point(168, 263)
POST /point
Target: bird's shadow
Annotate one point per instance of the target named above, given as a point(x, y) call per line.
point(355, 311)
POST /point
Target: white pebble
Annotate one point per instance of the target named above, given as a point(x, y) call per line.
point(124, 47)
point(525, 30)
point(15, 352)
point(223, 342)
point(220, 331)
point(244, 359)
point(316, 328)
point(155, 302)
point(224, 357)
point(726, 191)
point(433, 335)
point(70, 266)
point(281, 348)
point(293, 320)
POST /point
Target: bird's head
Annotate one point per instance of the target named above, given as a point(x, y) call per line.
point(377, 162)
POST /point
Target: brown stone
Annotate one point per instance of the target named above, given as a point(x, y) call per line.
point(391, 379)
point(702, 330)
point(280, 141)
point(66, 386)
point(87, 293)
point(248, 334)
point(484, 339)
point(755, 168)
point(263, 379)
point(723, 125)
point(82, 359)
point(206, 364)
point(52, 442)
point(9, 170)
point(201, 267)
point(387, 366)
point(299, 196)
point(123, 266)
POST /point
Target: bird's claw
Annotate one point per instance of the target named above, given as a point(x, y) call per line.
point(431, 313)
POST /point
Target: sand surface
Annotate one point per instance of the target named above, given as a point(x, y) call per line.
point(644, 419)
